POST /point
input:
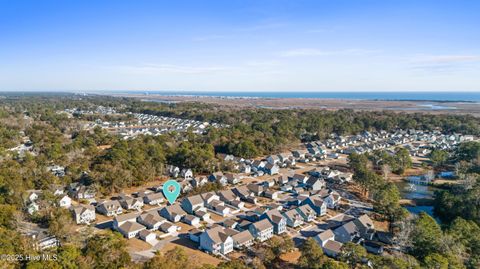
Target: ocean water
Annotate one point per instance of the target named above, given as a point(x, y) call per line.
point(417, 96)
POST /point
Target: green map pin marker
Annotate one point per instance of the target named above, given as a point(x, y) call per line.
point(171, 190)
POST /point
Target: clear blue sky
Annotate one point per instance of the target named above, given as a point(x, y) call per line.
point(241, 45)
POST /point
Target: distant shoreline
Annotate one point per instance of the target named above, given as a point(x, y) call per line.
point(438, 97)
point(441, 97)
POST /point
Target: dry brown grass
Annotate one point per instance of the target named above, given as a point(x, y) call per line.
point(190, 248)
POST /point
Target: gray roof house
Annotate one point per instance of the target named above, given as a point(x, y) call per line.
point(173, 213)
point(261, 230)
point(192, 203)
point(278, 221)
point(83, 214)
point(216, 241)
point(110, 208)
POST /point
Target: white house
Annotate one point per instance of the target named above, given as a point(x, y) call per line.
point(168, 227)
point(32, 208)
point(317, 204)
point(152, 220)
point(173, 213)
point(65, 201)
point(147, 236)
point(272, 169)
point(83, 214)
point(278, 221)
point(242, 239)
point(192, 203)
point(153, 198)
point(110, 208)
point(216, 241)
point(261, 230)
point(293, 218)
point(307, 212)
point(191, 220)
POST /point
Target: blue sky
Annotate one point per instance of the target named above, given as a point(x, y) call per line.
point(240, 45)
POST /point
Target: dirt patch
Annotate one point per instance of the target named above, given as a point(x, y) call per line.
point(190, 248)
point(381, 225)
point(135, 244)
point(291, 257)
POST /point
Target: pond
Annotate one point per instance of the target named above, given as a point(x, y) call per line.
point(421, 194)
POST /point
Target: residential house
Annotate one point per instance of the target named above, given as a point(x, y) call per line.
point(299, 154)
point(347, 232)
point(244, 168)
point(232, 179)
point(272, 194)
point(258, 165)
point(317, 204)
point(220, 208)
point(65, 202)
point(245, 194)
point(268, 183)
point(315, 183)
point(261, 230)
point(83, 214)
point(300, 178)
point(202, 214)
point(192, 203)
point(191, 220)
point(194, 235)
point(168, 228)
point(243, 225)
point(127, 225)
point(237, 204)
point(173, 171)
point(230, 223)
point(282, 179)
point(218, 177)
point(152, 220)
point(109, 208)
point(173, 213)
point(306, 212)
point(343, 177)
point(294, 219)
point(273, 159)
point(185, 186)
point(373, 247)
point(130, 203)
point(271, 169)
point(284, 157)
point(227, 196)
point(242, 239)
point(365, 226)
point(198, 181)
point(255, 189)
point(119, 220)
point(80, 191)
point(147, 236)
point(331, 198)
point(278, 221)
point(208, 197)
point(216, 241)
point(155, 198)
point(332, 248)
point(187, 174)
point(324, 236)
